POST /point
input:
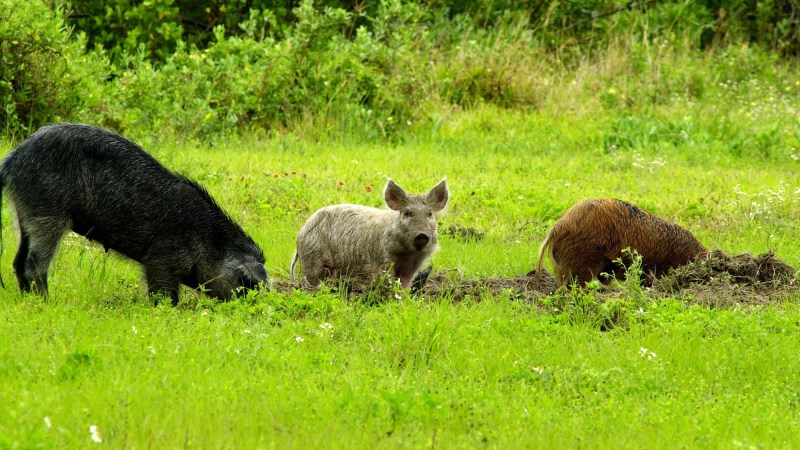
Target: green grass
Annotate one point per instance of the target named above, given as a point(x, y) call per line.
point(497, 374)
point(319, 371)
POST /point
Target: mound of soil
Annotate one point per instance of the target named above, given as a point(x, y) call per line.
point(763, 271)
point(721, 280)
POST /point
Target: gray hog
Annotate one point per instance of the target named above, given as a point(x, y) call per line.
point(359, 242)
point(108, 189)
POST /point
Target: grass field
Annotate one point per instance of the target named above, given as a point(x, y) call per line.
point(291, 369)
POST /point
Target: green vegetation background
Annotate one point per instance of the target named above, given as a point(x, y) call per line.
point(687, 108)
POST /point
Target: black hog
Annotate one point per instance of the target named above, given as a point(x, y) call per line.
point(110, 190)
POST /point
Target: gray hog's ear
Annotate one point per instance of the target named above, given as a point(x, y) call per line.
point(437, 197)
point(396, 198)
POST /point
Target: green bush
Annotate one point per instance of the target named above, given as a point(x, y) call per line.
point(252, 83)
point(44, 73)
point(373, 70)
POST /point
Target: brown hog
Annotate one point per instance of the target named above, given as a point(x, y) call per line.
point(592, 234)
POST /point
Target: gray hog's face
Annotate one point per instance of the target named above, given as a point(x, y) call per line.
point(415, 229)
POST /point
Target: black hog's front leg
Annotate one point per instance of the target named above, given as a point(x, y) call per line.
point(162, 282)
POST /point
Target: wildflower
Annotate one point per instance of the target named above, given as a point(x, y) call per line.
point(135, 331)
point(538, 370)
point(645, 353)
point(95, 433)
point(47, 422)
point(246, 331)
point(299, 339)
point(326, 326)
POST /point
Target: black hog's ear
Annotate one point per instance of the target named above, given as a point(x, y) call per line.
point(253, 274)
point(396, 198)
point(437, 197)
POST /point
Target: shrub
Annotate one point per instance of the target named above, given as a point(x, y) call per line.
point(44, 73)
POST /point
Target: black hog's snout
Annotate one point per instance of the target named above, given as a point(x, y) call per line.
point(421, 241)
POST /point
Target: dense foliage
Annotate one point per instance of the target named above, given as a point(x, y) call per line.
point(205, 69)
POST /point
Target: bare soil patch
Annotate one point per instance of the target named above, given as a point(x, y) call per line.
point(719, 280)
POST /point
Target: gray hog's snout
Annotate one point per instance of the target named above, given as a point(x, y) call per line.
point(421, 241)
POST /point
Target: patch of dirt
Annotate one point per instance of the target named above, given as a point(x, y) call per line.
point(452, 285)
point(466, 234)
point(719, 280)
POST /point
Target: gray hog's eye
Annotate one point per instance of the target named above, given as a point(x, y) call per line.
point(430, 213)
point(407, 213)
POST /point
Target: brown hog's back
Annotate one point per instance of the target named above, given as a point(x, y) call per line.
point(592, 234)
point(664, 245)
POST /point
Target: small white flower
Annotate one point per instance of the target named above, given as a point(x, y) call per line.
point(397, 296)
point(538, 370)
point(246, 331)
point(645, 353)
point(326, 326)
point(135, 331)
point(299, 339)
point(204, 313)
point(47, 422)
point(152, 350)
point(95, 434)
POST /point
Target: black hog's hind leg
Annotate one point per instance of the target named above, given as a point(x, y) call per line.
point(38, 243)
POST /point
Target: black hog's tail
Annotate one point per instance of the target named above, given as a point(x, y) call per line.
point(2, 185)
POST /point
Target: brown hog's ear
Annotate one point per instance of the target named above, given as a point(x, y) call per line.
point(396, 198)
point(437, 197)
